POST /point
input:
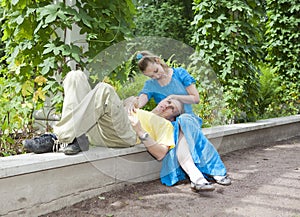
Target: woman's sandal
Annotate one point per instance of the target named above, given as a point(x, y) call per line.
point(202, 187)
point(222, 180)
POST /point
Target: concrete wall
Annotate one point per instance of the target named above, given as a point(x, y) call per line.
point(33, 184)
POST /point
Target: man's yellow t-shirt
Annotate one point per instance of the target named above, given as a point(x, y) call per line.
point(160, 129)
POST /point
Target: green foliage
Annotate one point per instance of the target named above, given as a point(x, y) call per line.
point(212, 106)
point(13, 112)
point(228, 35)
point(111, 22)
point(283, 48)
point(37, 54)
point(164, 19)
point(270, 87)
point(1, 44)
point(132, 87)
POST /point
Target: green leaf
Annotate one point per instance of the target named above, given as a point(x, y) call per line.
point(14, 2)
point(49, 48)
point(27, 88)
point(86, 19)
point(19, 20)
point(50, 18)
point(38, 27)
point(49, 9)
point(221, 18)
point(6, 34)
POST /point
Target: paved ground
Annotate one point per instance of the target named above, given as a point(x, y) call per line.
point(266, 183)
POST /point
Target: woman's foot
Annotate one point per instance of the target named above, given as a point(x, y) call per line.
point(222, 180)
point(207, 186)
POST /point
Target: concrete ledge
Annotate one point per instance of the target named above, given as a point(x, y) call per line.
point(33, 184)
point(233, 137)
point(27, 163)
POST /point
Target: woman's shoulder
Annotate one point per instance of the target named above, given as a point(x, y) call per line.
point(183, 75)
point(179, 70)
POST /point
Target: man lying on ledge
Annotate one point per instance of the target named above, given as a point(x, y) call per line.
point(98, 117)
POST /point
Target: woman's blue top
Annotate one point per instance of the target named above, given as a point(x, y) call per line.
point(180, 80)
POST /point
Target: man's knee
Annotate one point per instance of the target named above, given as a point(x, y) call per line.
point(75, 76)
point(105, 87)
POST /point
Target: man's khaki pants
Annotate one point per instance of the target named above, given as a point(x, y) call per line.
point(98, 113)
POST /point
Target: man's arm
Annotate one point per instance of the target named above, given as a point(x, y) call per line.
point(157, 150)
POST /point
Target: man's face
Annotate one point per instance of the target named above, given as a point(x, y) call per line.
point(168, 109)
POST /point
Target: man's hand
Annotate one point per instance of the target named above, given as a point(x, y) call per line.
point(131, 103)
point(135, 122)
point(133, 119)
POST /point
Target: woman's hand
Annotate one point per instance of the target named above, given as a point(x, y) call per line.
point(171, 97)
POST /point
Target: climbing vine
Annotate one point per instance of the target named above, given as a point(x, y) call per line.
point(38, 52)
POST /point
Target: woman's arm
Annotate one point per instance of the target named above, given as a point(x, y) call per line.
point(192, 98)
point(142, 100)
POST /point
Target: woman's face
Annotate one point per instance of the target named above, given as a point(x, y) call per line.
point(154, 71)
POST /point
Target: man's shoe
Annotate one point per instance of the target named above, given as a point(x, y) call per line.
point(72, 148)
point(202, 187)
point(41, 144)
point(79, 144)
